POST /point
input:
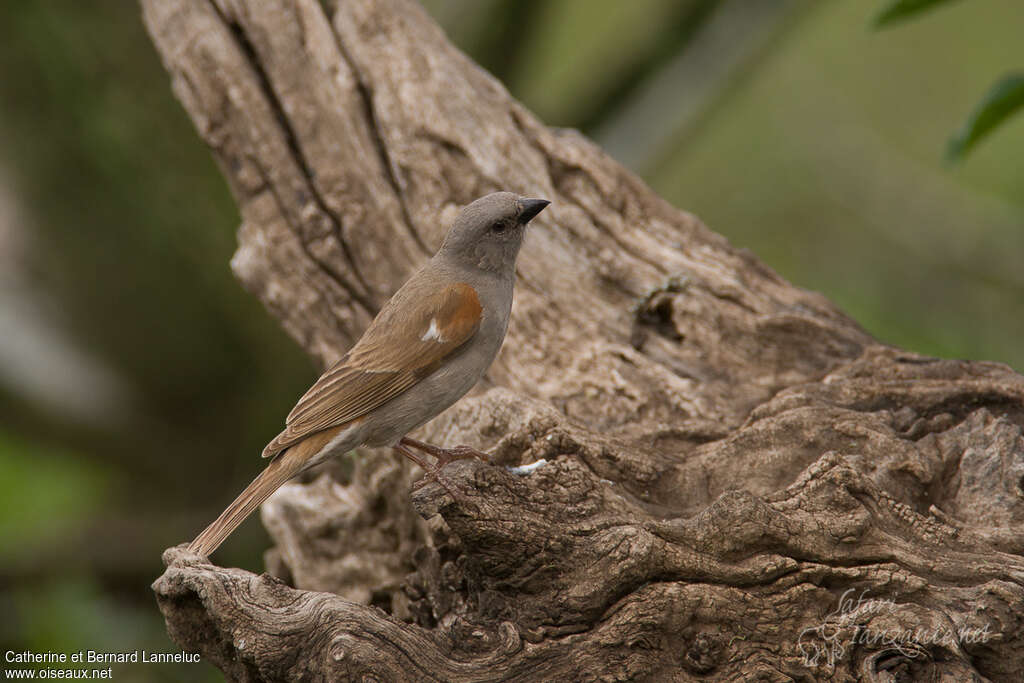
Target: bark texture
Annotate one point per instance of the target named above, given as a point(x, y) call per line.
point(731, 480)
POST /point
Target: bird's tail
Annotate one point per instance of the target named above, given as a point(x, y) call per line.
point(281, 469)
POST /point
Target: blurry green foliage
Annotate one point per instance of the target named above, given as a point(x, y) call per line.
point(1003, 99)
point(128, 235)
point(45, 495)
point(76, 613)
point(898, 10)
point(132, 229)
point(583, 58)
point(822, 161)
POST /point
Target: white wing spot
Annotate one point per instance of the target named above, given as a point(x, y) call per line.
point(433, 333)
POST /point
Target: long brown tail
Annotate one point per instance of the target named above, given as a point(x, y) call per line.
point(281, 469)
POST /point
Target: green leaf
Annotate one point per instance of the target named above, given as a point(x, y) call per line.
point(45, 494)
point(1002, 100)
point(899, 10)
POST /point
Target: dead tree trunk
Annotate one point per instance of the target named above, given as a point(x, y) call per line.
point(738, 481)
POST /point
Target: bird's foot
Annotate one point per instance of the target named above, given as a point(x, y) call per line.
point(430, 473)
point(445, 455)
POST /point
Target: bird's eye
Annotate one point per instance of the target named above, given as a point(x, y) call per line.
point(499, 227)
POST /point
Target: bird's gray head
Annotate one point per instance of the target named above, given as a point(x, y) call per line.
point(488, 232)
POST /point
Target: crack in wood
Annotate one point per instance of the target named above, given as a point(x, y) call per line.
point(360, 293)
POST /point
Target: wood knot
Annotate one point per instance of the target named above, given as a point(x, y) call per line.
point(703, 653)
point(655, 313)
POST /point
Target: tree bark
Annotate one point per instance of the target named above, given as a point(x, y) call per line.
point(732, 479)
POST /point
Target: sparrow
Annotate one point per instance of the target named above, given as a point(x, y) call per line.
point(429, 344)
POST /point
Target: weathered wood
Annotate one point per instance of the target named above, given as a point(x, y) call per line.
point(727, 457)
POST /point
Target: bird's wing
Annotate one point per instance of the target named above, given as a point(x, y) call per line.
point(407, 341)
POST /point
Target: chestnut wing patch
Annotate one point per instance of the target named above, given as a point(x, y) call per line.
point(408, 340)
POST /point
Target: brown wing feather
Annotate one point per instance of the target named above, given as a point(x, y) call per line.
point(408, 340)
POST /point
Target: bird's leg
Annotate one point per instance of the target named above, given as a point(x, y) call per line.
point(444, 455)
point(429, 472)
point(404, 450)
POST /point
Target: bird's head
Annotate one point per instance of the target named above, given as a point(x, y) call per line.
point(488, 233)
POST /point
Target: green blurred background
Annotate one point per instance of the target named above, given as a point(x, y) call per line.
point(138, 382)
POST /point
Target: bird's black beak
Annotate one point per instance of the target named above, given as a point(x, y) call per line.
point(530, 208)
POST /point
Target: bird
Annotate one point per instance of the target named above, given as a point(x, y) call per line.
point(424, 350)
